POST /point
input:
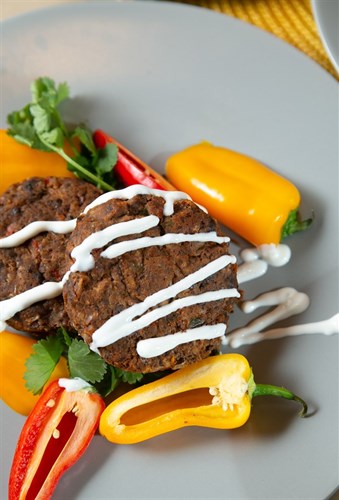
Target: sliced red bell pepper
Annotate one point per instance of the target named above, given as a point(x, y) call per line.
point(55, 435)
point(129, 169)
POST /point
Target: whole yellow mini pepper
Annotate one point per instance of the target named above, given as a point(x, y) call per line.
point(215, 392)
point(18, 162)
point(15, 349)
point(242, 193)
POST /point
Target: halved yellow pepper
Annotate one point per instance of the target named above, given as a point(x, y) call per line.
point(14, 351)
point(215, 392)
point(19, 162)
point(242, 193)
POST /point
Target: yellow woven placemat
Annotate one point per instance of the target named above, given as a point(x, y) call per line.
point(291, 20)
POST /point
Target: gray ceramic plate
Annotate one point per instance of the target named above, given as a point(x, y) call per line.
point(160, 76)
point(326, 13)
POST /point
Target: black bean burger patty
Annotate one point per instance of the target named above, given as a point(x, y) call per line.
point(41, 258)
point(112, 285)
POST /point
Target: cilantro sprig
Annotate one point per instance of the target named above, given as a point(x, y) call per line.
point(39, 125)
point(82, 362)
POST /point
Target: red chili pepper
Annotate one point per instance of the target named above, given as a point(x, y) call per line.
point(130, 169)
point(55, 435)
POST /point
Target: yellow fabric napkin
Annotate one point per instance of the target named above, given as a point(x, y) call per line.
point(291, 20)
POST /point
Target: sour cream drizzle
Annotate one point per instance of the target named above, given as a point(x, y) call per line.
point(74, 384)
point(156, 346)
point(127, 246)
point(84, 260)
point(256, 260)
point(124, 323)
point(37, 227)
point(126, 194)
point(288, 302)
point(9, 307)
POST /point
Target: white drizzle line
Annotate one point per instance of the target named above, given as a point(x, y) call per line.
point(256, 260)
point(170, 238)
point(74, 384)
point(149, 348)
point(9, 307)
point(275, 255)
point(122, 324)
point(104, 335)
point(37, 227)
point(64, 227)
point(326, 327)
point(125, 194)
point(288, 301)
point(84, 260)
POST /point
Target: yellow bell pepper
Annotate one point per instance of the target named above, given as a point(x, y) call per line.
point(19, 162)
point(243, 194)
point(14, 350)
point(215, 392)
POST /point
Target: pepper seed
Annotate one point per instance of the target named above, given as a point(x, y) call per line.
point(56, 434)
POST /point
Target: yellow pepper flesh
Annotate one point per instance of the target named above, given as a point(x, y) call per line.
point(210, 393)
point(19, 162)
point(240, 192)
point(14, 351)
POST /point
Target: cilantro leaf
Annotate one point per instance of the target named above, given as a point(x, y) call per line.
point(40, 365)
point(128, 377)
point(109, 382)
point(44, 89)
point(39, 125)
point(64, 336)
point(41, 118)
point(107, 157)
point(85, 137)
point(22, 129)
point(82, 362)
point(62, 92)
point(85, 363)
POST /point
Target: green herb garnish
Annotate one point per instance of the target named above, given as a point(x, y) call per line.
point(39, 125)
point(82, 362)
point(40, 365)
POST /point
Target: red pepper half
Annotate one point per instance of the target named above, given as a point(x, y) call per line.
point(55, 435)
point(129, 169)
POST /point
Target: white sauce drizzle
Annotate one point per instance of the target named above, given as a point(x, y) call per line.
point(37, 227)
point(125, 194)
point(123, 324)
point(148, 348)
point(288, 301)
point(256, 260)
point(9, 307)
point(84, 261)
point(274, 255)
point(329, 326)
point(74, 384)
point(170, 238)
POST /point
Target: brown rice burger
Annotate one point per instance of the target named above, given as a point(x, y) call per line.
point(152, 283)
point(41, 258)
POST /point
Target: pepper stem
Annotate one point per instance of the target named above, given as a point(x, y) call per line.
point(294, 224)
point(281, 392)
